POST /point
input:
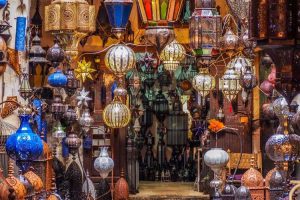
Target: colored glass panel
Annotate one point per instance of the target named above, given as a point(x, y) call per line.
point(118, 14)
point(163, 9)
point(148, 9)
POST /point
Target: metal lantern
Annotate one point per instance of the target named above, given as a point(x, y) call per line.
point(229, 42)
point(55, 54)
point(248, 80)
point(25, 90)
point(73, 142)
point(116, 114)
point(72, 83)
point(118, 12)
point(86, 120)
point(239, 64)
point(229, 84)
point(37, 55)
point(203, 82)
point(70, 21)
point(172, 55)
point(205, 30)
point(242, 193)
point(58, 132)
point(57, 107)
point(119, 59)
point(104, 164)
point(57, 79)
point(161, 106)
point(159, 16)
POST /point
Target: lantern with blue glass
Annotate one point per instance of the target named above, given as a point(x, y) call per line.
point(24, 146)
point(118, 12)
point(3, 3)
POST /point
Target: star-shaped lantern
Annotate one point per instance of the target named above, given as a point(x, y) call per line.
point(83, 98)
point(84, 71)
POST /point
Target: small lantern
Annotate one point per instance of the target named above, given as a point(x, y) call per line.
point(229, 84)
point(73, 142)
point(229, 42)
point(55, 54)
point(104, 164)
point(205, 30)
point(25, 89)
point(57, 79)
point(70, 115)
point(72, 83)
point(204, 82)
point(119, 59)
point(172, 55)
point(57, 107)
point(118, 12)
point(37, 55)
point(161, 106)
point(86, 120)
point(58, 132)
point(248, 79)
point(239, 64)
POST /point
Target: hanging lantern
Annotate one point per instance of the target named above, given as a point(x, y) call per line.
point(159, 17)
point(205, 30)
point(248, 79)
point(70, 21)
point(104, 164)
point(118, 12)
point(25, 89)
point(86, 120)
point(239, 64)
point(57, 79)
point(72, 83)
point(172, 55)
point(84, 71)
point(24, 145)
point(161, 106)
point(73, 142)
point(229, 42)
point(55, 54)
point(229, 84)
point(116, 114)
point(119, 59)
point(280, 107)
point(203, 82)
point(3, 3)
point(58, 132)
point(57, 107)
point(70, 115)
point(37, 55)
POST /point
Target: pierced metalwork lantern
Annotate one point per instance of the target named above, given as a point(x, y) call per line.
point(158, 16)
point(73, 142)
point(239, 64)
point(25, 89)
point(204, 82)
point(72, 83)
point(86, 120)
point(57, 107)
point(116, 114)
point(172, 55)
point(104, 164)
point(248, 79)
point(119, 59)
point(205, 30)
point(55, 54)
point(229, 84)
point(161, 106)
point(118, 12)
point(70, 21)
point(37, 55)
point(58, 132)
point(229, 42)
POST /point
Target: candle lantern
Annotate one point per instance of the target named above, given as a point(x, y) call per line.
point(73, 142)
point(118, 12)
point(161, 106)
point(25, 89)
point(229, 84)
point(203, 82)
point(159, 17)
point(172, 55)
point(205, 30)
point(57, 107)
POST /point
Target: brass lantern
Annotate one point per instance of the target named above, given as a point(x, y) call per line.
point(229, 42)
point(116, 114)
point(205, 30)
point(172, 55)
point(229, 84)
point(70, 21)
point(158, 15)
point(240, 64)
point(204, 82)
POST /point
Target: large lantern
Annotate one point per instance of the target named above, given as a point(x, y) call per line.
point(203, 82)
point(70, 21)
point(205, 30)
point(116, 114)
point(158, 15)
point(172, 55)
point(229, 84)
point(118, 12)
point(120, 59)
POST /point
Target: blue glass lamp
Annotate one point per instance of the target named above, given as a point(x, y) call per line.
point(20, 33)
point(24, 145)
point(118, 12)
point(57, 79)
point(3, 3)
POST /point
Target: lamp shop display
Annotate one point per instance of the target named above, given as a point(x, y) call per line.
point(106, 105)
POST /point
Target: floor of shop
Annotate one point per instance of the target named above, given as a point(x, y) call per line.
point(167, 191)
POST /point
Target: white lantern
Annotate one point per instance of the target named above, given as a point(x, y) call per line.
point(203, 82)
point(229, 84)
point(172, 55)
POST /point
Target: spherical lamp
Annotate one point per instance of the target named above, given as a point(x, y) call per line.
point(57, 79)
point(229, 42)
point(172, 55)
point(3, 3)
point(104, 164)
point(203, 82)
point(116, 114)
point(216, 159)
point(229, 84)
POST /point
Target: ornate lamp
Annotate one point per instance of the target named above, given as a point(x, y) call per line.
point(118, 12)
point(248, 80)
point(86, 120)
point(70, 21)
point(161, 106)
point(57, 79)
point(37, 55)
point(116, 114)
point(205, 30)
point(229, 84)
point(73, 142)
point(172, 55)
point(104, 164)
point(239, 64)
point(25, 89)
point(159, 16)
point(229, 42)
point(203, 82)
point(72, 83)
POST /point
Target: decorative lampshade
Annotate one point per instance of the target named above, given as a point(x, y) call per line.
point(55, 54)
point(37, 55)
point(229, 84)
point(86, 120)
point(204, 82)
point(159, 15)
point(119, 59)
point(205, 30)
point(229, 42)
point(24, 145)
point(161, 106)
point(25, 89)
point(58, 132)
point(118, 12)
point(248, 80)
point(70, 21)
point(216, 159)
point(104, 164)
point(72, 83)
point(116, 114)
point(172, 55)
point(57, 79)
point(239, 64)
point(57, 107)
point(73, 142)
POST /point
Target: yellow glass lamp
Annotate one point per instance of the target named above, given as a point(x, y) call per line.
point(84, 71)
point(172, 55)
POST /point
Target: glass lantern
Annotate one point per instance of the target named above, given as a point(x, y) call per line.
point(229, 84)
point(172, 55)
point(203, 82)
